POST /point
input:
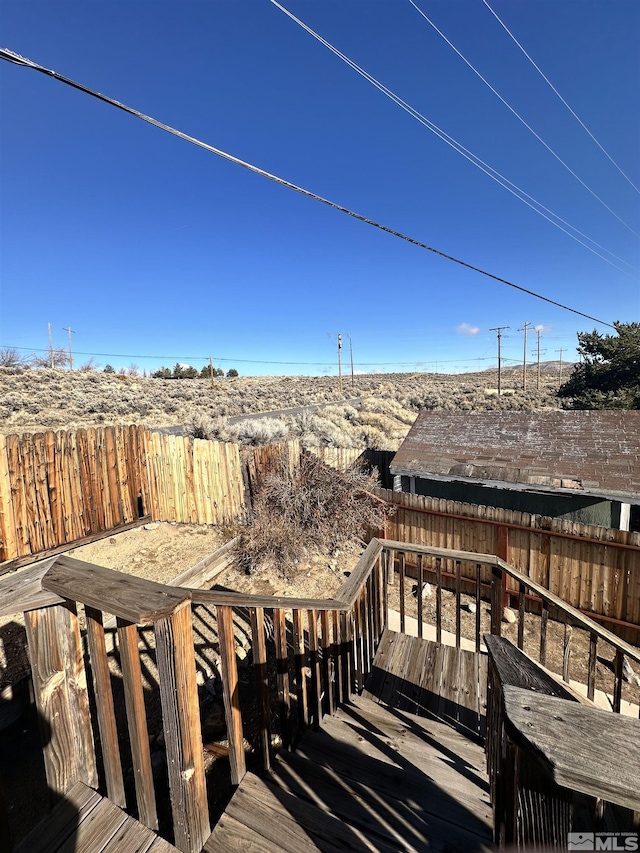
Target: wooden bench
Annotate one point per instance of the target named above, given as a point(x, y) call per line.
point(85, 822)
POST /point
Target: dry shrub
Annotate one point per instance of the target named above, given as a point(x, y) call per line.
point(313, 508)
point(35, 400)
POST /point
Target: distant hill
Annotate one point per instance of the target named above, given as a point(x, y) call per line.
point(376, 411)
point(545, 367)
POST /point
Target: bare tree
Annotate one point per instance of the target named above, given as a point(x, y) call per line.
point(57, 357)
point(9, 357)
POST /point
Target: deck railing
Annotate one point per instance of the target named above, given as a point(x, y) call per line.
point(63, 599)
point(432, 563)
point(323, 648)
point(555, 765)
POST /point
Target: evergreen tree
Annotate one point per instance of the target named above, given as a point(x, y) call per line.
point(162, 373)
point(609, 374)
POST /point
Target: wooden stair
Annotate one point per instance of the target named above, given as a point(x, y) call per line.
point(374, 777)
point(431, 680)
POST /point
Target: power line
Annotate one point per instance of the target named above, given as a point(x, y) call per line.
point(206, 358)
point(553, 88)
point(476, 161)
point(523, 121)
point(19, 60)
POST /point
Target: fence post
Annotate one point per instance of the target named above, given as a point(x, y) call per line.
point(504, 554)
point(496, 600)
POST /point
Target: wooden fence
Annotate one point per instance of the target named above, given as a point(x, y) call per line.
point(63, 488)
point(59, 488)
point(194, 481)
point(595, 569)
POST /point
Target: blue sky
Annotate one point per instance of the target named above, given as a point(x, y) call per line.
point(148, 246)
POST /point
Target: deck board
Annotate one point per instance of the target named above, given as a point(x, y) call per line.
point(429, 679)
point(85, 822)
point(374, 777)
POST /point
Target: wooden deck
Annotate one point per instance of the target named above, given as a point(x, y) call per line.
point(373, 778)
point(429, 679)
point(85, 822)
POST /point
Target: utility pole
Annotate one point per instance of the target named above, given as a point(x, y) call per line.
point(50, 346)
point(539, 353)
point(70, 332)
point(499, 330)
point(211, 370)
point(538, 332)
point(340, 362)
point(561, 350)
point(524, 356)
point(353, 383)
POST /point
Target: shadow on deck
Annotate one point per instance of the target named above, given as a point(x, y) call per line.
point(377, 776)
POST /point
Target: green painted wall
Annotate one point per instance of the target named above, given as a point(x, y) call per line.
point(571, 507)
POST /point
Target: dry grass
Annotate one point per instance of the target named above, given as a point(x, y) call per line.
point(376, 412)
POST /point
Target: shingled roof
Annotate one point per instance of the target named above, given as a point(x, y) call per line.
point(594, 453)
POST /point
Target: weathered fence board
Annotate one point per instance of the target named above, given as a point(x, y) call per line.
point(58, 488)
point(595, 569)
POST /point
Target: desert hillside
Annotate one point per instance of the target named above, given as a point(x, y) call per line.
point(375, 412)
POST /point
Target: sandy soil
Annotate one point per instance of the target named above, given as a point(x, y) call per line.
point(158, 553)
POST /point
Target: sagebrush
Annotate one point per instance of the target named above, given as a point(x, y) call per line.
point(375, 412)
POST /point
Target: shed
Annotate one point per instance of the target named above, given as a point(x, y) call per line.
point(580, 465)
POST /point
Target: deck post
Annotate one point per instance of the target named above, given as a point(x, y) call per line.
point(183, 736)
point(231, 694)
point(60, 684)
point(262, 683)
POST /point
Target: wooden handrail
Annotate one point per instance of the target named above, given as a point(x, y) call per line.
point(582, 748)
point(227, 598)
point(576, 615)
point(126, 596)
point(444, 553)
point(546, 751)
point(542, 592)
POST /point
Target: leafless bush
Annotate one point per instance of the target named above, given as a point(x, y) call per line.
point(56, 357)
point(314, 508)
